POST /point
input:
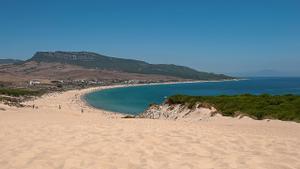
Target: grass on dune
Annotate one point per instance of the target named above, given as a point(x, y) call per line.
point(282, 107)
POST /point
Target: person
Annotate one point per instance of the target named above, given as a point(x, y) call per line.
point(59, 106)
point(81, 110)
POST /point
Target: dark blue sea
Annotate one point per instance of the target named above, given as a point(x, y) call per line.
point(134, 100)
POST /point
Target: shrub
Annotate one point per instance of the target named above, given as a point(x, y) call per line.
point(19, 92)
point(285, 107)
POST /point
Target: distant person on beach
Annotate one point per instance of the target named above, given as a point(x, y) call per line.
point(59, 106)
point(81, 110)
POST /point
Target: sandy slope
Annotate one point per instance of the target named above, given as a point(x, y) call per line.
point(51, 138)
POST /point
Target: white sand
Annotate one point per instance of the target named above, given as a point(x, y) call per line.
point(51, 138)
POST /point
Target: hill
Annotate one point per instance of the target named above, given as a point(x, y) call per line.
point(263, 73)
point(91, 60)
point(46, 72)
point(9, 61)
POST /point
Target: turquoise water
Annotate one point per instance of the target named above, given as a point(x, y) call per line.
point(133, 100)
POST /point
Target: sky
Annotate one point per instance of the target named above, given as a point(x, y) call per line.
point(222, 36)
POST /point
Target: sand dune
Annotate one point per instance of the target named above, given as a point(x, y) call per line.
point(49, 137)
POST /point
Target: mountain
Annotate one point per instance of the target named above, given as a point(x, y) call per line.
point(9, 61)
point(266, 73)
point(46, 72)
point(96, 61)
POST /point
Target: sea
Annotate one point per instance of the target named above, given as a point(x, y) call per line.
point(135, 99)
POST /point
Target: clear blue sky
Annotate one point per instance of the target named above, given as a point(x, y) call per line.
point(219, 36)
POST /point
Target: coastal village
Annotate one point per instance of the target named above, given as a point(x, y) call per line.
point(84, 83)
point(49, 86)
point(55, 85)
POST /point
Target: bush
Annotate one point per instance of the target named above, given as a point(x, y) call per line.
point(19, 92)
point(285, 107)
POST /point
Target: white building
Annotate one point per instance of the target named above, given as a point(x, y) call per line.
point(34, 82)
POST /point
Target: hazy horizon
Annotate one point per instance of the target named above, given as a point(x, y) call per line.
point(214, 36)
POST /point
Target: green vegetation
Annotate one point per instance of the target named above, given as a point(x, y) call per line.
point(16, 92)
point(12, 96)
point(285, 107)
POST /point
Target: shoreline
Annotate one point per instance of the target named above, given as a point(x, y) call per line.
point(48, 137)
point(100, 88)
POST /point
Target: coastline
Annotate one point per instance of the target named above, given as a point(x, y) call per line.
point(96, 89)
point(48, 137)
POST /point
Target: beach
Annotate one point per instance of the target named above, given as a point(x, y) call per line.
point(62, 131)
